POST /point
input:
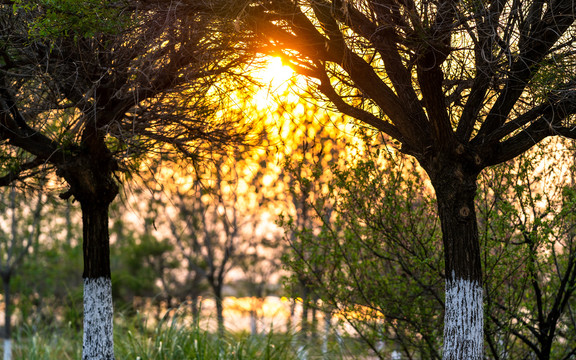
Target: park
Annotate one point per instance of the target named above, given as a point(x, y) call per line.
point(286, 179)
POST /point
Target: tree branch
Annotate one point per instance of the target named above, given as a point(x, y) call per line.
point(542, 35)
point(487, 31)
point(386, 42)
point(16, 174)
point(326, 88)
point(308, 41)
point(545, 120)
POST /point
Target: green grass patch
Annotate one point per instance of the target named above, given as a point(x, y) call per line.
point(176, 338)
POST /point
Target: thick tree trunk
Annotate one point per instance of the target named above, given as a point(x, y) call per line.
point(90, 175)
point(98, 342)
point(463, 319)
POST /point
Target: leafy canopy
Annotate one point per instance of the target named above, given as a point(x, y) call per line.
point(79, 19)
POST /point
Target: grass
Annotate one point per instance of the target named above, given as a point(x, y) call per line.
point(47, 344)
point(173, 338)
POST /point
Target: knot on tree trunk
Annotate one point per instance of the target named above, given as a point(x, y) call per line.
point(91, 180)
point(464, 211)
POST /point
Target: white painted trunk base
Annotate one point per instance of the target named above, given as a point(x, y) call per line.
point(463, 320)
point(98, 341)
point(7, 349)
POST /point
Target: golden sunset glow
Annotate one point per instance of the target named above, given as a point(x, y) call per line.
point(275, 79)
point(275, 73)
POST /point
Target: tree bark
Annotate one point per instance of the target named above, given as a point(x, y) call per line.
point(6, 277)
point(219, 310)
point(98, 342)
point(455, 187)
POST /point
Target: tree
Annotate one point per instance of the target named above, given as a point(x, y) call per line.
point(388, 267)
point(459, 85)
point(259, 268)
point(381, 271)
point(173, 260)
point(313, 151)
point(82, 97)
point(23, 228)
point(46, 288)
point(140, 261)
point(212, 214)
point(528, 308)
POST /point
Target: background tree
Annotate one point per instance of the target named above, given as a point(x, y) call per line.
point(459, 85)
point(382, 272)
point(261, 267)
point(19, 231)
point(51, 289)
point(387, 269)
point(212, 215)
point(81, 97)
point(140, 262)
point(528, 308)
point(307, 149)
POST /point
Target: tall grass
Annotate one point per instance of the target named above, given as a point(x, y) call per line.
point(49, 343)
point(175, 338)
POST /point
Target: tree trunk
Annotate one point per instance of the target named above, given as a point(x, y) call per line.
point(314, 321)
point(304, 318)
point(326, 334)
point(291, 316)
point(219, 310)
point(464, 316)
point(98, 342)
point(6, 277)
point(195, 309)
point(253, 322)
point(255, 305)
point(303, 348)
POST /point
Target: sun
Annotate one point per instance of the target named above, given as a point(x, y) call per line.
point(275, 79)
point(275, 73)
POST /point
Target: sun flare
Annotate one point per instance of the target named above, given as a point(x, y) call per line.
point(275, 73)
point(274, 78)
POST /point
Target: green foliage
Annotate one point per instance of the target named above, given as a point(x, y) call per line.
point(527, 231)
point(73, 18)
point(373, 255)
point(137, 263)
